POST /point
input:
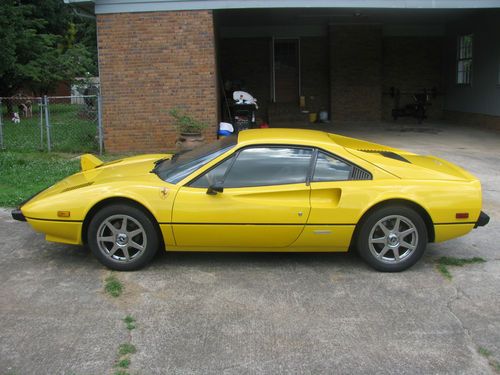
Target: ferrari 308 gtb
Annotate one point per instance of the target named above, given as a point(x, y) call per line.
point(262, 190)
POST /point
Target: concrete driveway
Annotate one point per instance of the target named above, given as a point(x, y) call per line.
point(264, 313)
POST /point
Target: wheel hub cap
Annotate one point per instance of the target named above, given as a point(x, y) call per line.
point(393, 240)
point(121, 239)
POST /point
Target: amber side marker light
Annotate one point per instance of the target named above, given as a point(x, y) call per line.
point(462, 215)
point(63, 213)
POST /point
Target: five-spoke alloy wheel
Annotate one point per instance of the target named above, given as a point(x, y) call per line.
point(122, 237)
point(392, 238)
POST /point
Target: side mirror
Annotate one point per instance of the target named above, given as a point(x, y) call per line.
point(215, 188)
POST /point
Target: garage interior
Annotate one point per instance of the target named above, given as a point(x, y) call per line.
point(351, 62)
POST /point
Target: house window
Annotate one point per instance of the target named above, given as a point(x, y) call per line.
point(464, 59)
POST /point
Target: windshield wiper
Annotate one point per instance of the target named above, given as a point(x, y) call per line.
point(172, 160)
point(177, 154)
point(157, 164)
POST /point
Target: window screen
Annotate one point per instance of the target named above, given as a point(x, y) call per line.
point(262, 166)
point(329, 168)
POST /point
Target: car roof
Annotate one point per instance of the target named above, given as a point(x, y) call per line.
point(284, 135)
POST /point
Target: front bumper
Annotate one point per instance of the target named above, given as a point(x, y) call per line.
point(18, 215)
point(482, 220)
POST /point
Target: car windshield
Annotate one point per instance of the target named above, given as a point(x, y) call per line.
point(183, 164)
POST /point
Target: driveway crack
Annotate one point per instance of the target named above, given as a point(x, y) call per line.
point(472, 346)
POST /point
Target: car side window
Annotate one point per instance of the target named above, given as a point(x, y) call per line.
point(213, 176)
point(270, 165)
point(329, 168)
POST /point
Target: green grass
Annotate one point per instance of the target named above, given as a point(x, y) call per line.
point(130, 322)
point(24, 174)
point(73, 129)
point(444, 271)
point(484, 352)
point(113, 286)
point(124, 363)
point(126, 348)
point(487, 354)
point(444, 262)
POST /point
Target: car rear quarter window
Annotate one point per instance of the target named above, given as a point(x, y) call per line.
point(265, 166)
point(329, 168)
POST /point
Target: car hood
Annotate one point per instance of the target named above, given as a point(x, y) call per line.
point(403, 164)
point(94, 171)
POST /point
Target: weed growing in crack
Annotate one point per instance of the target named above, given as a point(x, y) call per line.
point(113, 286)
point(130, 322)
point(444, 262)
point(487, 354)
point(484, 352)
point(126, 348)
point(124, 363)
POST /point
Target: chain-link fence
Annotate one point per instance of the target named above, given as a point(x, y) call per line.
point(55, 123)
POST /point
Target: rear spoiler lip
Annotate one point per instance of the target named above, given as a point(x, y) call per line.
point(482, 220)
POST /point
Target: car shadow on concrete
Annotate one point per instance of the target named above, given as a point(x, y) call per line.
point(80, 257)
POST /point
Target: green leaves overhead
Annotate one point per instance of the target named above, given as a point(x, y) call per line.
point(43, 43)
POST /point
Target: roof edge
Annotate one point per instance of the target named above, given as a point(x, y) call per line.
point(133, 6)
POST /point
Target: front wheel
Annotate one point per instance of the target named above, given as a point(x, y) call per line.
point(122, 237)
point(392, 238)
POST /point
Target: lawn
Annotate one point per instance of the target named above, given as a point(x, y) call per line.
point(73, 129)
point(24, 174)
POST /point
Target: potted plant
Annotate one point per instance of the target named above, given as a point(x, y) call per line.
point(190, 130)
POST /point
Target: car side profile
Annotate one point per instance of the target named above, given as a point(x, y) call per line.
point(264, 190)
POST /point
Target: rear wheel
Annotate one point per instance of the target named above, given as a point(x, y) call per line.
point(122, 237)
point(392, 238)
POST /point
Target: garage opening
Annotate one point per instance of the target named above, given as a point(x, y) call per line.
point(328, 65)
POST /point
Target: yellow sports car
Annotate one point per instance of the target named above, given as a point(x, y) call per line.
point(264, 190)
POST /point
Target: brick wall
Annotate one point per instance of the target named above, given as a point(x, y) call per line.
point(355, 72)
point(150, 63)
point(412, 64)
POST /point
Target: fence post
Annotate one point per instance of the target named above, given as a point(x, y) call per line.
point(47, 122)
point(40, 110)
point(1, 125)
point(99, 123)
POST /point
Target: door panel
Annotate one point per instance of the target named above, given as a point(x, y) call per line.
point(336, 207)
point(241, 217)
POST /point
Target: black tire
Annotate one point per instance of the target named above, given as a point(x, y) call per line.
point(123, 248)
point(379, 247)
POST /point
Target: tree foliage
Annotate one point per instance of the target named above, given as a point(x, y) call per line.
point(41, 44)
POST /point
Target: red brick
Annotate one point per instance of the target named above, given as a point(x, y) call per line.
point(150, 63)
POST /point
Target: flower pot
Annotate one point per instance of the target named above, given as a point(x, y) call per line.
point(189, 141)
